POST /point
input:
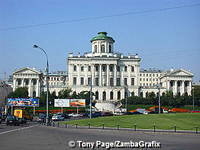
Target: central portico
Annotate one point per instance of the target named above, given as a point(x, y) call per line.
point(113, 75)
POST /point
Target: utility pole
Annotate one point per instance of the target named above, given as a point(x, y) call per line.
point(47, 82)
point(193, 98)
point(91, 93)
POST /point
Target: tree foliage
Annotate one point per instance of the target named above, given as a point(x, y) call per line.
point(21, 92)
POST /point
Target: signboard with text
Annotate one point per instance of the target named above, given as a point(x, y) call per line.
point(69, 103)
point(23, 102)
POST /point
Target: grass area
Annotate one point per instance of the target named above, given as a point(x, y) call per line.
point(183, 121)
point(189, 107)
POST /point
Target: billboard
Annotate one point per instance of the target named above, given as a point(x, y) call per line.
point(24, 102)
point(61, 103)
point(77, 103)
point(69, 103)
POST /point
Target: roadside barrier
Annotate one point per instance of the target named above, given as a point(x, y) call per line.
point(135, 127)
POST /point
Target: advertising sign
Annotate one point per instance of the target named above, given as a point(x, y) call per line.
point(69, 103)
point(61, 103)
point(77, 103)
point(24, 102)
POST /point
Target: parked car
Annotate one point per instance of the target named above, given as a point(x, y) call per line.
point(106, 114)
point(95, 114)
point(58, 118)
point(12, 120)
point(41, 117)
point(22, 120)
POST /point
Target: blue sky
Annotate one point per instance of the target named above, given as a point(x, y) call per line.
point(163, 39)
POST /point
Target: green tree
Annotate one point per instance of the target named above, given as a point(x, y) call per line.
point(21, 92)
point(65, 93)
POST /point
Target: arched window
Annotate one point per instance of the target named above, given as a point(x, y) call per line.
point(110, 48)
point(26, 81)
point(34, 94)
point(95, 48)
point(104, 95)
point(34, 81)
point(132, 68)
point(147, 94)
point(103, 48)
point(118, 95)
point(141, 94)
point(111, 95)
point(19, 81)
point(96, 95)
point(74, 67)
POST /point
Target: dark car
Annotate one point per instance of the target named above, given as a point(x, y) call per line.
point(106, 114)
point(95, 114)
point(22, 120)
point(12, 120)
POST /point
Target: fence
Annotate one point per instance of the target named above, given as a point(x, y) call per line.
point(135, 127)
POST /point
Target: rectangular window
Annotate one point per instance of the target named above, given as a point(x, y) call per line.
point(97, 68)
point(132, 81)
point(74, 67)
point(89, 80)
point(97, 81)
point(125, 68)
point(111, 68)
point(89, 68)
point(118, 68)
point(111, 82)
point(82, 68)
point(118, 82)
point(82, 81)
point(125, 81)
point(132, 68)
point(74, 80)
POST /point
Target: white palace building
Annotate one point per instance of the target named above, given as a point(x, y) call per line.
point(111, 75)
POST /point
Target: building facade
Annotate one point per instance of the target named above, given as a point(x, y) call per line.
point(30, 78)
point(5, 89)
point(111, 76)
point(114, 76)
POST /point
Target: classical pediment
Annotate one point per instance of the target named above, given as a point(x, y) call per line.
point(27, 71)
point(180, 72)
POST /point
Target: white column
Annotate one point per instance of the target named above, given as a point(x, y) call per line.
point(115, 74)
point(189, 89)
point(167, 84)
point(175, 88)
point(78, 74)
point(107, 75)
point(182, 88)
point(14, 84)
point(22, 84)
point(37, 88)
point(29, 87)
point(100, 74)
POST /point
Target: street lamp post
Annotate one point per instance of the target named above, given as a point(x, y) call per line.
point(193, 98)
point(47, 83)
point(91, 93)
point(159, 86)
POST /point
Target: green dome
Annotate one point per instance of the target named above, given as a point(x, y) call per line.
point(102, 36)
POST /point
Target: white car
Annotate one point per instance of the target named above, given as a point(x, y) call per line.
point(58, 118)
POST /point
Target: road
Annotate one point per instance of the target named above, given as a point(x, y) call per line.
point(38, 137)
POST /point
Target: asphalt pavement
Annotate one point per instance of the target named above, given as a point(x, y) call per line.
point(34, 136)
